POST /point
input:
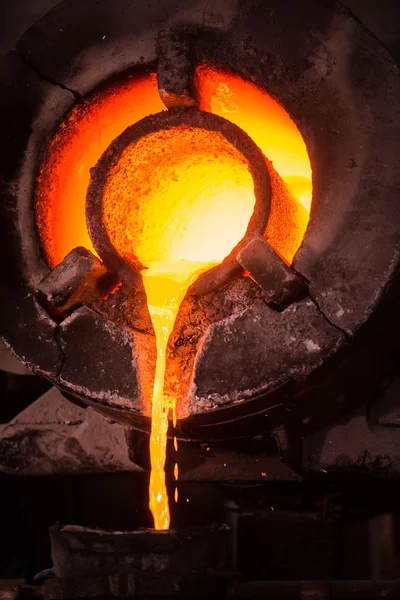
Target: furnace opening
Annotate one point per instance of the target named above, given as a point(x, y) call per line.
point(93, 124)
point(182, 193)
point(175, 194)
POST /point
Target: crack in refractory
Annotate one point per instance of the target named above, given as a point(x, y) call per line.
point(47, 78)
point(57, 340)
point(348, 337)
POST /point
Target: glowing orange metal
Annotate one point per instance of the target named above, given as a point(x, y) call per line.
point(185, 197)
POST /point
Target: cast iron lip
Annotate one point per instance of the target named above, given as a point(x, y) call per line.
point(216, 277)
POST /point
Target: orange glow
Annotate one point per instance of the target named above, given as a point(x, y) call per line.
point(77, 146)
point(178, 220)
point(178, 194)
point(264, 120)
point(93, 124)
point(166, 284)
point(177, 201)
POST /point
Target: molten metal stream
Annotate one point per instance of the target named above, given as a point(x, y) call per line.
point(166, 285)
point(179, 200)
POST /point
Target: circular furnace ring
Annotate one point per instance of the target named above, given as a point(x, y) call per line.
point(191, 117)
point(341, 87)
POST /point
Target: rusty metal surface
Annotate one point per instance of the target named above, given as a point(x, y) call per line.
point(79, 279)
point(101, 360)
point(171, 562)
point(175, 69)
point(253, 352)
point(281, 284)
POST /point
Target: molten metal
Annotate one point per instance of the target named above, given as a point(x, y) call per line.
point(178, 201)
point(93, 124)
point(178, 219)
point(182, 193)
point(166, 285)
